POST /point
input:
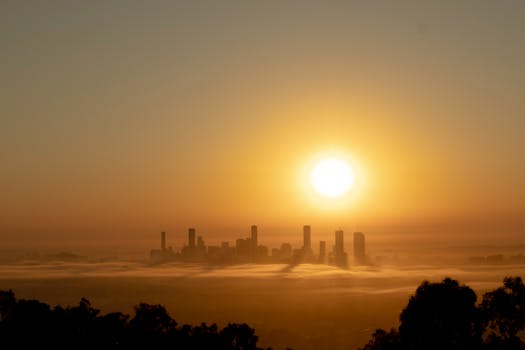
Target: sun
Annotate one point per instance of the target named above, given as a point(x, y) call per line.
point(332, 177)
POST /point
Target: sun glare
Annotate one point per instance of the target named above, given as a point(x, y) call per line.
point(332, 177)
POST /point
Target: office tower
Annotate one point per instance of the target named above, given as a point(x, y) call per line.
point(286, 249)
point(163, 240)
point(341, 259)
point(322, 251)
point(339, 242)
point(359, 247)
point(307, 238)
point(254, 236)
point(243, 248)
point(253, 243)
point(191, 238)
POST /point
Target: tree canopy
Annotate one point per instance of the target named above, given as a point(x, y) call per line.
point(445, 315)
point(31, 323)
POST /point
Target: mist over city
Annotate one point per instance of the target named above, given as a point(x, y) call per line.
point(302, 303)
point(262, 175)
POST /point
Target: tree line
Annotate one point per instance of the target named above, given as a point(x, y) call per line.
point(26, 324)
point(442, 315)
point(446, 315)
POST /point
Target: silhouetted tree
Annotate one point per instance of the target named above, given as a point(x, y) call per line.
point(7, 303)
point(441, 316)
point(239, 337)
point(111, 328)
point(75, 326)
point(205, 337)
point(32, 324)
point(383, 340)
point(152, 325)
point(504, 314)
point(26, 317)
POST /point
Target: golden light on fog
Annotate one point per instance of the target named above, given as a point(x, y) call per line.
point(332, 177)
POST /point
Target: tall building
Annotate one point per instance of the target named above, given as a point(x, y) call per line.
point(253, 243)
point(339, 241)
point(307, 238)
point(322, 252)
point(286, 249)
point(359, 248)
point(163, 240)
point(340, 256)
point(243, 249)
point(254, 236)
point(200, 243)
point(191, 238)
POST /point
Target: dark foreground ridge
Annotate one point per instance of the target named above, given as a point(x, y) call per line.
point(445, 316)
point(442, 315)
point(31, 324)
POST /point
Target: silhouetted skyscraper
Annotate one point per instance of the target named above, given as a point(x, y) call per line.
point(163, 240)
point(243, 249)
point(286, 249)
point(341, 259)
point(191, 238)
point(339, 241)
point(359, 248)
point(253, 243)
point(254, 236)
point(322, 251)
point(307, 238)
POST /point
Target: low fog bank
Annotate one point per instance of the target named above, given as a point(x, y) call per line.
point(357, 279)
point(305, 306)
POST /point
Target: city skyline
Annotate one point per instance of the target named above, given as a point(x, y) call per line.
point(292, 167)
point(247, 250)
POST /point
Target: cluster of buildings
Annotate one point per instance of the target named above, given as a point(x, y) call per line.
point(248, 250)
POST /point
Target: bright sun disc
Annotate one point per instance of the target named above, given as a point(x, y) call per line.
point(332, 177)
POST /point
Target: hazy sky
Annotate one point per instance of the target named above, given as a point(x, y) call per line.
point(139, 116)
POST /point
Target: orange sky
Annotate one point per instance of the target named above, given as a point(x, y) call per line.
point(137, 117)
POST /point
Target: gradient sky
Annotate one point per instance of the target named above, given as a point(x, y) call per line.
point(139, 116)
